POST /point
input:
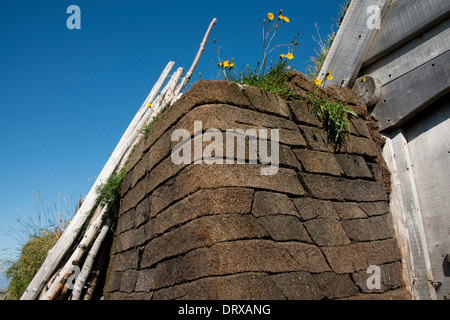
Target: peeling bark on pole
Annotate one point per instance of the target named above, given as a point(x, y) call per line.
point(89, 263)
point(90, 235)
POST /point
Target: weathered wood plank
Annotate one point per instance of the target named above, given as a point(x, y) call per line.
point(351, 42)
point(414, 91)
point(405, 20)
point(429, 146)
point(407, 216)
point(399, 216)
point(412, 55)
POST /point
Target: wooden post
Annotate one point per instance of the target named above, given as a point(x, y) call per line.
point(172, 86)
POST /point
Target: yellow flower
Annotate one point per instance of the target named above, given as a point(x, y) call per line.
point(329, 77)
point(318, 82)
point(288, 56)
point(149, 105)
point(231, 65)
point(226, 63)
point(270, 16)
point(286, 19)
point(280, 17)
point(364, 79)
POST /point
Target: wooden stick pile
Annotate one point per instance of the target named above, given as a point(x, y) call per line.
point(62, 269)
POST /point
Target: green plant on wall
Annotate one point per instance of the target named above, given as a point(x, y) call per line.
point(148, 128)
point(272, 78)
point(109, 194)
point(333, 114)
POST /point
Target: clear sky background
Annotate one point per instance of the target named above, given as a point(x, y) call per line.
point(67, 96)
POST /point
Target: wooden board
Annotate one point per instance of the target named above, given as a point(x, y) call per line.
point(428, 137)
point(351, 43)
point(407, 217)
point(405, 20)
point(412, 55)
point(414, 91)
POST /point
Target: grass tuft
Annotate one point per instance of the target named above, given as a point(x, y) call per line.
point(272, 78)
point(148, 128)
point(334, 116)
point(32, 255)
point(275, 80)
point(109, 194)
point(35, 238)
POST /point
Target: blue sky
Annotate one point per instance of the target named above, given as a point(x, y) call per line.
point(67, 96)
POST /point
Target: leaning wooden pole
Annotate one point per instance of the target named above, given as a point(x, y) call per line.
point(91, 233)
point(88, 238)
point(194, 64)
point(171, 93)
point(55, 256)
point(163, 100)
point(89, 263)
point(118, 158)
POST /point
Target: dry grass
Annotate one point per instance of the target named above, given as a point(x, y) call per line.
point(35, 237)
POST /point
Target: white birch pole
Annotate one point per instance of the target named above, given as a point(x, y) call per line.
point(117, 159)
point(162, 102)
point(196, 60)
point(56, 286)
point(72, 231)
point(172, 86)
point(52, 279)
point(155, 90)
point(89, 236)
point(95, 215)
point(89, 263)
point(166, 93)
